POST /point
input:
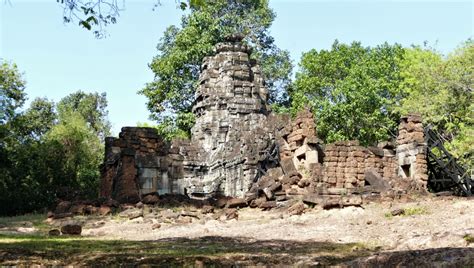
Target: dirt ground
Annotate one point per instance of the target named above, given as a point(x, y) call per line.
point(434, 231)
point(437, 222)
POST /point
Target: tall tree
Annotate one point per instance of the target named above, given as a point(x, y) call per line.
point(441, 89)
point(37, 120)
point(12, 90)
point(352, 90)
point(181, 50)
point(91, 106)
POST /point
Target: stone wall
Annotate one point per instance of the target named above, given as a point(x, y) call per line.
point(411, 150)
point(135, 164)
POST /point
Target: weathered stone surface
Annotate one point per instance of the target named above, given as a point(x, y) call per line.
point(63, 207)
point(236, 202)
point(207, 209)
point(150, 199)
point(296, 209)
point(231, 213)
point(131, 213)
point(376, 181)
point(71, 229)
point(54, 232)
point(268, 205)
point(104, 210)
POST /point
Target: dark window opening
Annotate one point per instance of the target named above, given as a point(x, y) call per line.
point(301, 157)
point(406, 170)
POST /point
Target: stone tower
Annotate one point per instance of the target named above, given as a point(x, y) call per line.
point(231, 144)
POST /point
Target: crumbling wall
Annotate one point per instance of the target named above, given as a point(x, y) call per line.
point(135, 164)
point(411, 150)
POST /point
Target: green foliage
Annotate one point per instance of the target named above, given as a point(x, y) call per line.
point(469, 238)
point(48, 148)
point(95, 15)
point(12, 95)
point(38, 119)
point(82, 152)
point(352, 90)
point(410, 211)
point(168, 130)
point(441, 90)
point(181, 51)
point(91, 106)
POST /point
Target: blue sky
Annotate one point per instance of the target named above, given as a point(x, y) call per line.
point(58, 58)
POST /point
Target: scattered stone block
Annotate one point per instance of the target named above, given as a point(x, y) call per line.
point(296, 209)
point(150, 199)
point(71, 229)
point(236, 202)
point(54, 232)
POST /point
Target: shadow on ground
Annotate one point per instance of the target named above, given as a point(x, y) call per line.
point(213, 251)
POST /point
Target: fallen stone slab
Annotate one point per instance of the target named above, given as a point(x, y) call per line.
point(376, 181)
point(57, 216)
point(236, 202)
point(150, 199)
point(313, 199)
point(296, 209)
point(71, 229)
point(397, 212)
point(268, 205)
point(54, 232)
point(131, 213)
point(231, 213)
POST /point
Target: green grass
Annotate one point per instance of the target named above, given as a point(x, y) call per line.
point(20, 249)
point(469, 238)
point(36, 219)
point(410, 211)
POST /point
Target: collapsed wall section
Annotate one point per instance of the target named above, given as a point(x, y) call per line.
point(136, 164)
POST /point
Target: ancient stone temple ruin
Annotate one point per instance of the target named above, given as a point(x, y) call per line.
point(239, 148)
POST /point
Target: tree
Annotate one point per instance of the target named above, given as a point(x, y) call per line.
point(352, 90)
point(81, 152)
point(12, 91)
point(47, 147)
point(91, 106)
point(95, 15)
point(441, 90)
point(37, 120)
point(182, 49)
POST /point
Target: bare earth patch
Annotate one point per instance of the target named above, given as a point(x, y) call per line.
point(433, 230)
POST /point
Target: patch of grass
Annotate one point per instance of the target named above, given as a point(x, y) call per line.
point(410, 211)
point(469, 238)
point(415, 211)
point(87, 251)
point(36, 219)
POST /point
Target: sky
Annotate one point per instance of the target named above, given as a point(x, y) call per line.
point(58, 59)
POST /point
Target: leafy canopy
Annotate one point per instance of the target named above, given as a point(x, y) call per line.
point(441, 90)
point(91, 106)
point(352, 90)
point(47, 148)
point(181, 50)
